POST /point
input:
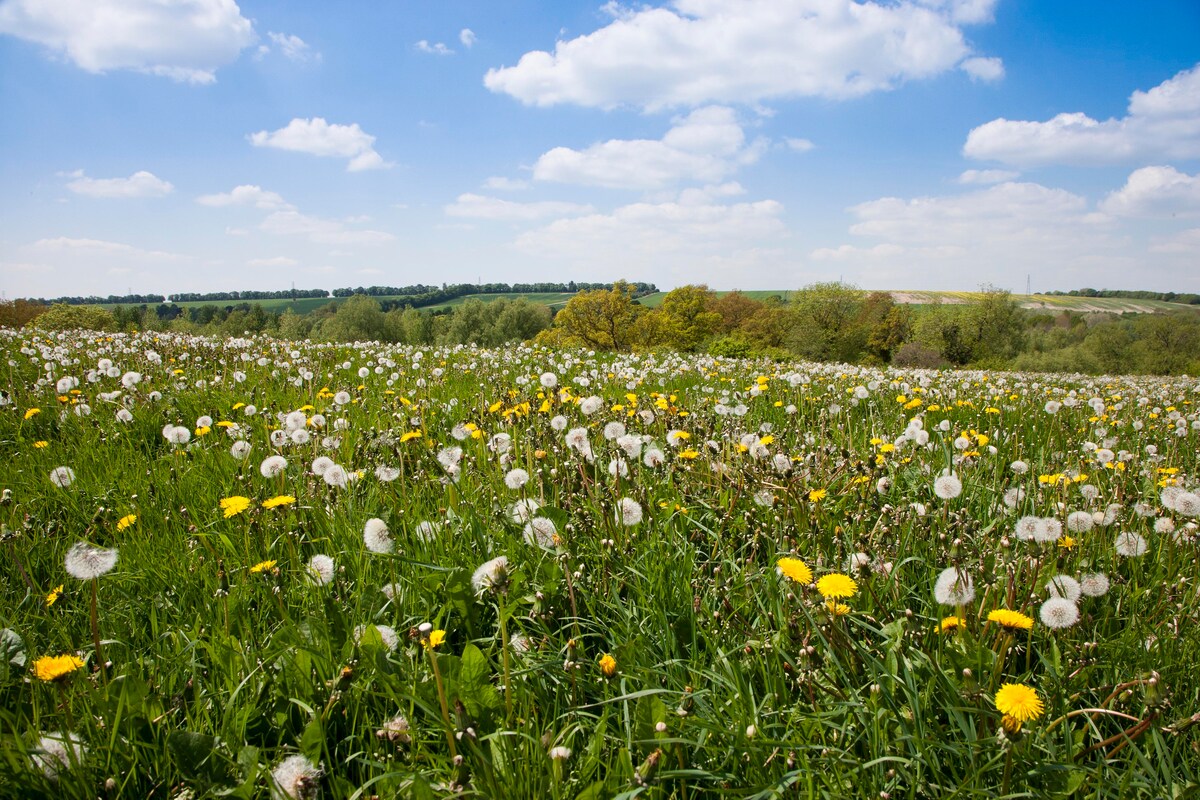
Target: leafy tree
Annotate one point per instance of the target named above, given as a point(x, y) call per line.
point(62, 317)
point(358, 318)
point(825, 323)
point(602, 319)
point(687, 317)
point(17, 313)
point(735, 308)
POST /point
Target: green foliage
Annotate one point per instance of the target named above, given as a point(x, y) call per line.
point(62, 317)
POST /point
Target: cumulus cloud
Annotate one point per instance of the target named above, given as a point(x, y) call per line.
point(467, 37)
point(1162, 123)
point(798, 145)
point(65, 245)
point(1155, 192)
point(186, 41)
point(293, 47)
point(983, 69)
point(986, 176)
point(319, 230)
point(503, 184)
point(481, 207)
point(706, 145)
point(436, 49)
point(139, 184)
point(692, 52)
point(317, 137)
point(1185, 243)
point(246, 195)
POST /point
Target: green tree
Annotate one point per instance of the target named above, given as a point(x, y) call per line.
point(62, 317)
point(825, 323)
point(358, 318)
point(687, 317)
point(602, 319)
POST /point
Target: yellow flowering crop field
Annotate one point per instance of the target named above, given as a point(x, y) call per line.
point(250, 567)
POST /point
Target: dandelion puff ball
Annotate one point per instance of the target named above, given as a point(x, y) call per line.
point(629, 512)
point(295, 778)
point(490, 575)
point(57, 751)
point(321, 464)
point(953, 587)
point(1080, 522)
point(653, 457)
point(1058, 613)
point(1093, 584)
point(386, 473)
point(85, 562)
point(590, 405)
point(272, 466)
point(62, 477)
point(516, 478)
point(387, 633)
point(1048, 530)
point(377, 537)
point(1064, 586)
point(522, 511)
point(947, 487)
point(239, 449)
point(1130, 545)
point(336, 476)
point(542, 533)
point(321, 569)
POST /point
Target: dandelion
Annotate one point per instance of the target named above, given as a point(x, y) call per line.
point(126, 521)
point(279, 500)
point(653, 457)
point(1064, 586)
point(951, 624)
point(560, 753)
point(295, 778)
point(177, 434)
point(947, 487)
point(395, 730)
point(491, 576)
point(1094, 584)
point(817, 495)
point(608, 665)
point(590, 405)
point(613, 431)
point(1010, 620)
point(436, 638)
point(30, 413)
point(522, 511)
point(336, 476)
point(837, 586)
point(794, 569)
point(53, 595)
point(321, 465)
point(321, 570)
point(386, 474)
point(1048, 530)
point(262, 566)
point(1080, 522)
point(1058, 612)
point(548, 380)
point(1018, 702)
point(377, 537)
point(87, 562)
point(542, 533)
point(273, 466)
point(516, 478)
point(1027, 528)
point(1130, 545)
point(629, 512)
point(56, 668)
point(387, 634)
point(953, 587)
point(232, 506)
point(62, 477)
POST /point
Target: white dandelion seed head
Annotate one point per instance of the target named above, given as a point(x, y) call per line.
point(377, 537)
point(1019, 467)
point(387, 633)
point(62, 477)
point(295, 778)
point(560, 753)
point(500, 443)
point(1093, 584)
point(321, 570)
point(272, 466)
point(676, 438)
point(240, 449)
point(629, 512)
point(250, 410)
point(883, 485)
point(614, 430)
point(947, 487)
point(1058, 613)
point(1048, 530)
point(953, 587)
point(341, 399)
point(336, 476)
point(177, 434)
point(1064, 586)
point(386, 474)
point(1014, 497)
point(460, 432)
point(1164, 525)
point(391, 590)
point(558, 424)
point(321, 465)
point(300, 436)
point(278, 438)
point(522, 511)
point(542, 533)
point(548, 380)
point(632, 445)
point(1080, 522)
point(1188, 504)
point(764, 498)
point(618, 466)
point(1130, 545)
point(449, 457)
point(396, 730)
point(85, 561)
point(491, 575)
point(653, 457)
point(516, 478)
point(295, 421)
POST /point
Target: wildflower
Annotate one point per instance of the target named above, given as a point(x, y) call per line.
point(947, 487)
point(41, 444)
point(232, 506)
point(295, 778)
point(1058, 613)
point(1010, 620)
point(177, 434)
point(239, 449)
point(953, 587)
point(387, 634)
point(377, 537)
point(560, 753)
point(1094, 584)
point(951, 624)
point(1027, 527)
point(1048, 530)
point(608, 665)
point(817, 495)
point(542, 533)
point(125, 521)
point(522, 511)
point(30, 413)
point(53, 595)
point(434, 638)
point(590, 405)
point(1018, 703)
point(1064, 586)
point(653, 457)
point(86, 562)
point(1130, 545)
point(516, 478)
point(55, 751)
point(386, 474)
point(395, 730)
point(837, 586)
point(336, 476)
point(279, 500)
point(321, 569)
point(1080, 522)
point(262, 566)
point(62, 477)
point(491, 575)
point(272, 466)
point(56, 668)
point(629, 512)
point(795, 569)
point(321, 465)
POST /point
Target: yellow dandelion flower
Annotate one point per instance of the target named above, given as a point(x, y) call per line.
point(53, 596)
point(55, 668)
point(1010, 620)
point(608, 665)
point(837, 586)
point(232, 506)
point(837, 609)
point(279, 500)
point(32, 412)
point(817, 495)
point(203, 430)
point(689, 454)
point(408, 437)
point(950, 624)
point(41, 443)
point(125, 521)
point(262, 566)
point(1020, 702)
point(795, 569)
point(435, 639)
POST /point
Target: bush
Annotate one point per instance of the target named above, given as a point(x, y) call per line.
point(920, 356)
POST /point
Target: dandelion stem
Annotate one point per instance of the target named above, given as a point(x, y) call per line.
point(505, 657)
point(96, 632)
point(441, 691)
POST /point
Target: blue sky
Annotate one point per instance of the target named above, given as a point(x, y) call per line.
point(203, 145)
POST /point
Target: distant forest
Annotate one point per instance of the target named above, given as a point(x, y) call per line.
point(1129, 294)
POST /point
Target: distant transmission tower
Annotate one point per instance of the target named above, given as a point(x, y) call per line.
point(1027, 292)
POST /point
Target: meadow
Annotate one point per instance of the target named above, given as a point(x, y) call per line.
point(246, 567)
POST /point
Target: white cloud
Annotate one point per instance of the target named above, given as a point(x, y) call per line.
point(437, 48)
point(317, 137)
point(985, 176)
point(693, 52)
point(293, 47)
point(480, 207)
point(97, 247)
point(1162, 123)
point(983, 69)
point(277, 261)
point(799, 145)
point(185, 41)
point(1186, 243)
point(321, 231)
point(246, 195)
point(505, 184)
point(706, 145)
point(139, 184)
point(467, 37)
point(1155, 192)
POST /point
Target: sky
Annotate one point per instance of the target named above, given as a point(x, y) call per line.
point(158, 146)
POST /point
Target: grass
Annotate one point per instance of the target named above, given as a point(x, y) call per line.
point(228, 654)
